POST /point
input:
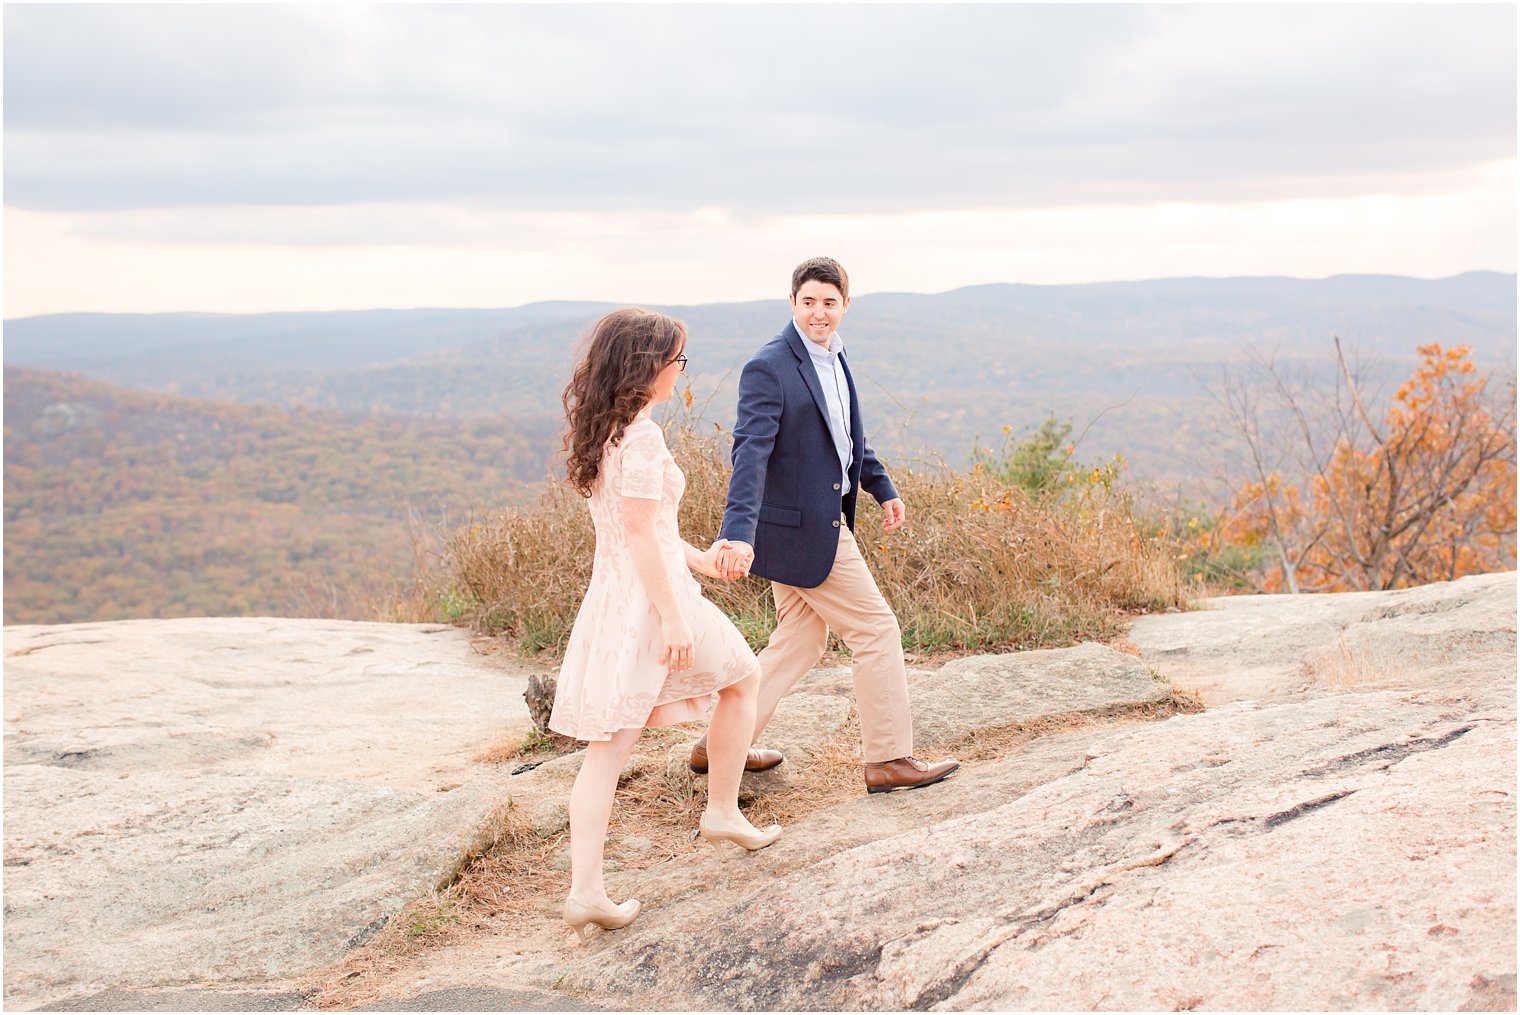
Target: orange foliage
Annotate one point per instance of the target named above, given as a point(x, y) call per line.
point(1428, 495)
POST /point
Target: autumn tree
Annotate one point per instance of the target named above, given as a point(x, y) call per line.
point(1342, 500)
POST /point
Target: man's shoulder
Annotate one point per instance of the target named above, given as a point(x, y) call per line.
point(772, 350)
point(777, 349)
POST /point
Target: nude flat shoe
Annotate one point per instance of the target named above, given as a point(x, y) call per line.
point(580, 916)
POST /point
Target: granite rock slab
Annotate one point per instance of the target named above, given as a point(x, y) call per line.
point(1354, 851)
point(985, 692)
point(233, 799)
point(1456, 636)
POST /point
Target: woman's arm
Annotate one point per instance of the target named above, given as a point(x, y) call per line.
point(649, 562)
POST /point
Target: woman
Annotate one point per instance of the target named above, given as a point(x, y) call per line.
point(646, 649)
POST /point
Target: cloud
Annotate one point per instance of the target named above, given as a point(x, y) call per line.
point(787, 109)
point(495, 258)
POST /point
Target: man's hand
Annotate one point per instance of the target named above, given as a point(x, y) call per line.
point(734, 560)
point(896, 513)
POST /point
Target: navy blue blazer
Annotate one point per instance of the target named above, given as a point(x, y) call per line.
point(784, 496)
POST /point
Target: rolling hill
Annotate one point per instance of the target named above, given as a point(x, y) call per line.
point(122, 504)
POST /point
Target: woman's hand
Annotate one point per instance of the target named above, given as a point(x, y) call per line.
point(679, 650)
point(706, 561)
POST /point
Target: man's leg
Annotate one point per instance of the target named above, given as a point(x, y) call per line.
point(850, 603)
point(795, 646)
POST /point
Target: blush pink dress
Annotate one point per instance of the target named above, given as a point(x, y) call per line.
point(612, 678)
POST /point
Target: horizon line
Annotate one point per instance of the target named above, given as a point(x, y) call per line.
point(647, 303)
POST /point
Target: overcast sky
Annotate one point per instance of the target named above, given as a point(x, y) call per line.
point(249, 158)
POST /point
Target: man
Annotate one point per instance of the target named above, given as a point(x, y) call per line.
point(800, 459)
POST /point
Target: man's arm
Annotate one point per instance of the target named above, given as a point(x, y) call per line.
point(875, 481)
point(759, 419)
point(873, 477)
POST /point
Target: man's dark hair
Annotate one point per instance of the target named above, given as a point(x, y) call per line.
point(821, 269)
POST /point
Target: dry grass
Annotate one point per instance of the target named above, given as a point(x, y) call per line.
point(986, 566)
point(456, 907)
point(980, 566)
point(993, 744)
point(833, 776)
point(533, 746)
point(1346, 664)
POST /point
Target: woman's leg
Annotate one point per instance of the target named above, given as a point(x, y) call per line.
point(728, 737)
point(590, 809)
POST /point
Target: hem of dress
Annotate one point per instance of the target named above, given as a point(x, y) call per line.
point(647, 725)
point(595, 740)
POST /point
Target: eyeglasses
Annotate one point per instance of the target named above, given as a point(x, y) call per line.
point(681, 360)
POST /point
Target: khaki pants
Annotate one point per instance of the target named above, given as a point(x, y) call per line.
point(849, 602)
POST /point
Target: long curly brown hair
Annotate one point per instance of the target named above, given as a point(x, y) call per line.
point(613, 380)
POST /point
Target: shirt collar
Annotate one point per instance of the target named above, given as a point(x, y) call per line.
point(834, 348)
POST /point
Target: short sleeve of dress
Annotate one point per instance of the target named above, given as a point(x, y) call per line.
point(644, 457)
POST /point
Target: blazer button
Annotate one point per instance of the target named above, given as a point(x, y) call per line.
point(836, 525)
point(836, 486)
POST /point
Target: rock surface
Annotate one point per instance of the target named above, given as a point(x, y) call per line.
point(1337, 832)
point(1346, 849)
point(1337, 853)
point(966, 696)
point(212, 999)
point(1448, 636)
point(232, 799)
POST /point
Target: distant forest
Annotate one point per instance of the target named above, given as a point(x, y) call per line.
point(121, 504)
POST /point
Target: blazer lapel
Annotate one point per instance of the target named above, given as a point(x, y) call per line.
point(808, 371)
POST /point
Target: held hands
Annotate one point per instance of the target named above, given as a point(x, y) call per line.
point(679, 650)
point(706, 562)
point(718, 560)
point(733, 559)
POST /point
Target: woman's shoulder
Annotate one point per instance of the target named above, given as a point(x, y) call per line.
point(644, 435)
point(643, 431)
point(644, 424)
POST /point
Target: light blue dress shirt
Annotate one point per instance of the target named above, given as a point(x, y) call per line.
point(836, 394)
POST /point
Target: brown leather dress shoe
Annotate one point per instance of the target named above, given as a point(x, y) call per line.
point(758, 760)
point(906, 773)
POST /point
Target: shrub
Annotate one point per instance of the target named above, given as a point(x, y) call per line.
point(982, 564)
point(1040, 463)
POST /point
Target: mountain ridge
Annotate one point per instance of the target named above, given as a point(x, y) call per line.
point(557, 304)
point(938, 372)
